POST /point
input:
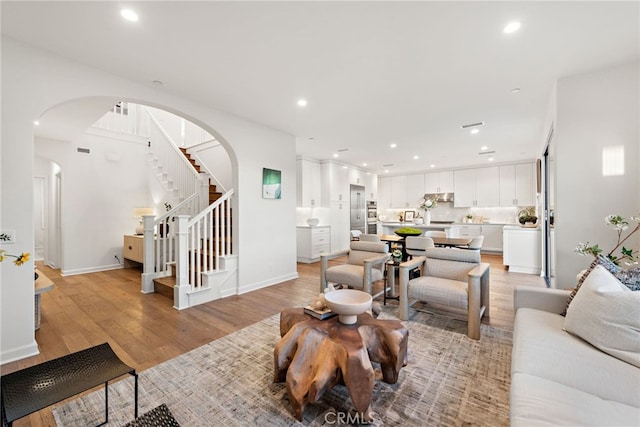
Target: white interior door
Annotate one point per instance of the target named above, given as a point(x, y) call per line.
point(39, 217)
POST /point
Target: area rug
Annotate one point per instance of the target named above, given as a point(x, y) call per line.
point(450, 380)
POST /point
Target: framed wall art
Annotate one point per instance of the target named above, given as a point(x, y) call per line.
point(271, 184)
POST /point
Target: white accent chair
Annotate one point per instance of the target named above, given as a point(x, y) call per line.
point(416, 245)
point(370, 238)
point(355, 234)
point(365, 265)
point(454, 279)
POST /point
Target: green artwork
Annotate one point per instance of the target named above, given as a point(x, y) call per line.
point(271, 184)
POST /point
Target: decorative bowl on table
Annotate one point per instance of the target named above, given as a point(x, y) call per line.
point(348, 303)
point(408, 231)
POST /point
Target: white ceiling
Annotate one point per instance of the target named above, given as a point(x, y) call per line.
point(373, 72)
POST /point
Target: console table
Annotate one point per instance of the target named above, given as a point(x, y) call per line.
point(32, 389)
point(314, 355)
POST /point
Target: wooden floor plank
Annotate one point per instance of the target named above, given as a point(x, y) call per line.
point(145, 330)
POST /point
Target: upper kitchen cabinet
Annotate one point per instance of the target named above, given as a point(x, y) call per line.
point(384, 192)
point(438, 182)
point(477, 187)
point(399, 191)
point(308, 176)
point(367, 179)
point(335, 183)
point(517, 185)
point(415, 190)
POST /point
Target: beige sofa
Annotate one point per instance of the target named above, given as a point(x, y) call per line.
point(558, 379)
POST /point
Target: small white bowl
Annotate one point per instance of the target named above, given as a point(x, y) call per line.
point(348, 303)
point(313, 221)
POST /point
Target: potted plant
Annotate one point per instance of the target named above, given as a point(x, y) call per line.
point(527, 216)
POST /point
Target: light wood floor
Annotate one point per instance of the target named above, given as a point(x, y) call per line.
point(145, 330)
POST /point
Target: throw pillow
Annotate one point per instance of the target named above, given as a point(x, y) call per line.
point(605, 314)
point(630, 278)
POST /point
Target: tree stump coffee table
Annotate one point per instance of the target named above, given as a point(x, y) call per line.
point(315, 355)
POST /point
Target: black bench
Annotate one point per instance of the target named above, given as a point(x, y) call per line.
point(32, 389)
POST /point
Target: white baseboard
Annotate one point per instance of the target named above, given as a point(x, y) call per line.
point(90, 269)
point(273, 281)
point(19, 353)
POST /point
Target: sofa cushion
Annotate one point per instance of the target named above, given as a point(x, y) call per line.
point(538, 401)
point(542, 348)
point(630, 278)
point(606, 314)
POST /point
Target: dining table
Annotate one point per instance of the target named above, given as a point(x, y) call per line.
point(438, 241)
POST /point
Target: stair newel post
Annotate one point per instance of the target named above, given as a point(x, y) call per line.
point(203, 191)
point(180, 292)
point(148, 270)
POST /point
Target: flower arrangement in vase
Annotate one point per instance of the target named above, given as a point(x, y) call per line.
point(620, 224)
point(427, 203)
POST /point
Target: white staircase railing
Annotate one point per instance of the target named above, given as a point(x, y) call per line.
point(173, 166)
point(201, 244)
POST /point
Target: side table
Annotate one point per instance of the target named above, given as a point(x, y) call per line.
point(314, 355)
point(390, 281)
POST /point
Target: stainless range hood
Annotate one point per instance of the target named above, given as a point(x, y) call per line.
point(441, 197)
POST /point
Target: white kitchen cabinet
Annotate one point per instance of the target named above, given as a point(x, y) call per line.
point(370, 185)
point(522, 249)
point(517, 185)
point(465, 188)
point(438, 182)
point(492, 237)
point(311, 242)
point(340, 223)
point(308, 190)
point(384, 192)
point(471, 231)
point(399, 191)
point(477, 187)
point(335, 183)
point(415, 190)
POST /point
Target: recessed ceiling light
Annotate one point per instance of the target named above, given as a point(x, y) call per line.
point(386, 171)
point(515, 90)
point(416, 157)
point(484, 147)
point(490, 159)
point(302, 103)
point(336, 155)
point(432, 166)
point(474, 131)
point(511, 27)
point(129, 15)
point(364, 164)
point(36, 123)
point(393, 145)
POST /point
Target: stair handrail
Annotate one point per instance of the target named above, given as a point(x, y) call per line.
point(211, 207)
point(202, 164)
point(173, 144)
point(206, 245)
point(175, 210)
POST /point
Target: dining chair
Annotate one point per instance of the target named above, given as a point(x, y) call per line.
point(435, 234)
point(475, 244)
point(416, 245)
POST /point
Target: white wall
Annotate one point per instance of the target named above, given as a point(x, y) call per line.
point(34, 81)
point(99, 192)
point(593, 111)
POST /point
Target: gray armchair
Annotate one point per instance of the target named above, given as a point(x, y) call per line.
point(456, 279)
point(365, 265)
